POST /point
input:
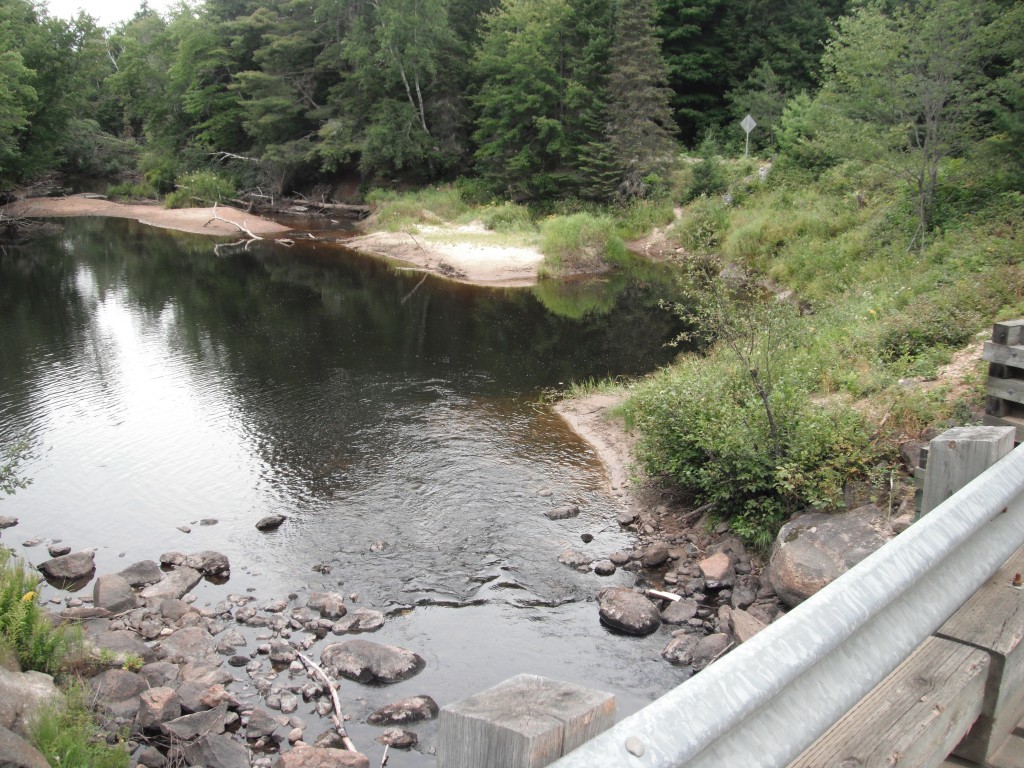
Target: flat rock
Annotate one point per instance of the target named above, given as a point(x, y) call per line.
point(679, 611)
point(411, 710)
point(156, 706)
point(69, 569)
point(124, 643)
point(261, 725)
point(562, 513)
point(174, 585)
point(627, 611)
point(161, 674)
point(330, 605)
point(366, 662)
point(270, 522)
point(574, 558)
point(58, 550)
point(813, 550)
point(142, 573)
point(7, 522)
point(359, 620)
point(117, 692)
point(187, 727)
point(216, 751)
point(113, 593)
point(22, 695)
point(188, 644)
point(745, 626)
point(604, 568)
point(321, 757)
point(15, 752)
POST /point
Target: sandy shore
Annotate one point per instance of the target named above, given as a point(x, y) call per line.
point(196, 220)
point(467, 253)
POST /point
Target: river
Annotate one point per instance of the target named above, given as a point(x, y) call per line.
point(398, 423)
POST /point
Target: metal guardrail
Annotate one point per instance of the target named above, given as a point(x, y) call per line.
point(771, 698)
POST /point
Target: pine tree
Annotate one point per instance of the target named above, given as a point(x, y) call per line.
point(640, 126)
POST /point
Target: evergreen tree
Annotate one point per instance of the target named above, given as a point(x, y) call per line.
point(640, 125)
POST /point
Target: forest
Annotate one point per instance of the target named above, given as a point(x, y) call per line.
point(531, 99)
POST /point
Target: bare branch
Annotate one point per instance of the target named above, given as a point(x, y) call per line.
point(338, 716)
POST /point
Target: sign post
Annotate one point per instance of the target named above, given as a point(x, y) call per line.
point(748, 124)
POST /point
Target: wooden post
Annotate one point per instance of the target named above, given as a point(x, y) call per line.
point(524, 722)
point(959, 455)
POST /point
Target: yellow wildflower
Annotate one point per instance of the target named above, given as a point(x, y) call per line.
point(29, 597)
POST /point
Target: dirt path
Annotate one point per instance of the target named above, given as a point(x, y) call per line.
point(467, 253)
point(196, 220)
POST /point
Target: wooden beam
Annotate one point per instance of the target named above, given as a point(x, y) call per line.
point(914, 717)
point(1011, 389)
point(1012, 355)
point(1008, 332)
point(959, 455)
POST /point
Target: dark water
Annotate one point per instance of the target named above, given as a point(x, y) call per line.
point(397, 424)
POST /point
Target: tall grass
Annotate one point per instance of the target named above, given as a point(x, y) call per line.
point(431, 205)
point(583, 243)
point(67, 736)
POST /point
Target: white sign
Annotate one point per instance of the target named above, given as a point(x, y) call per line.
point(748, 124)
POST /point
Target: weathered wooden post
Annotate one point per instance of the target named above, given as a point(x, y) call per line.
point(525, 722)
point(959, 455)
point(1004, 405)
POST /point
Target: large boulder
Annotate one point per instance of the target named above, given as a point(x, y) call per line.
point(15, 752)
point(321, 757)
point(22, 695)
point(207, 723)
point(189, 644)
point(157, 706)
point(368, 662)
point(627, 611)
point(69, 570)
point(113, 593)
point(813, 550)
point(117, 692)
point(142, 573)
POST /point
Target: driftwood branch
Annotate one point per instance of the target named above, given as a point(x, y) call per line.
point(384, 758)
point(338, 716)
point(233, 156)
point(664, 595)
point(253, 237)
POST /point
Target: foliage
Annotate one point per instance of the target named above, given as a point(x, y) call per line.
point(506, 217)
point(708, 177)
point(24, 627)
point(579, 244)
point(200, 188)
point(13, 457)
point(703, 225)
point(67, 736)
point(430, 205)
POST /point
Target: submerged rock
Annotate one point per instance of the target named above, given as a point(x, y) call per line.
point(270, 522)
point(359, 620)
point(562, 513)
point(367, 662)
point(411, 710)
point(68, 569)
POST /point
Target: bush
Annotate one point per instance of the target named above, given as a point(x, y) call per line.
point(432, 205)
point(25, 628)
point(506, 217)
point(128, 190)
point(579, 244)
point(708, 177)
point(200, 188)
point(704, 222)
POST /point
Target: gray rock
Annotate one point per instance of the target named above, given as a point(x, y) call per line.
point(709, 649)
point(626, 517)
point(574, 558)
point(161, 674)
point(813, 550)
point(174, 609)
point(261, 725)
point(15, 752)
point(150, 757)
point(656, 555)
point(321, 757)
point(69, 569)
point(627, 611)
point(398, 738)
point(58, 550)
point(367, 662)
point(22, 695)
point(289, 703)
point(174, 585)
point(35, 541)
point(113, 593)
point(745, 626)
point(173, 559)
point(679, 612)
point(359, 620)
point(190, 694)
point(189, 644)
point(216, 751)
point(680, 649)
point(209, 563)
point(604, 568)
point(281, 652)
point(411, 710)
point(117, 692)
point(157, 706)
point(743, 596)
point(124, 643)
point(330, 605)
point(270, 522)
point(562, 513)
point(189, 727)
point(619, 558)
point(7, 522)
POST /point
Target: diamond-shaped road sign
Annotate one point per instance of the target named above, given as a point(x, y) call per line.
point(748, 124)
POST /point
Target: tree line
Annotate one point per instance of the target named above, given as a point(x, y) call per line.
point(532, 99)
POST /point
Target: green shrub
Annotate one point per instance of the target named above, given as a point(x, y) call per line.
point(128, 190)
point(506, 217)
point(68, 736)
point(200, 188)
point(708, 177)
point(638, 218)
point(702, 226)
point(431, 205)
point(25, 628)
point(579, 244)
